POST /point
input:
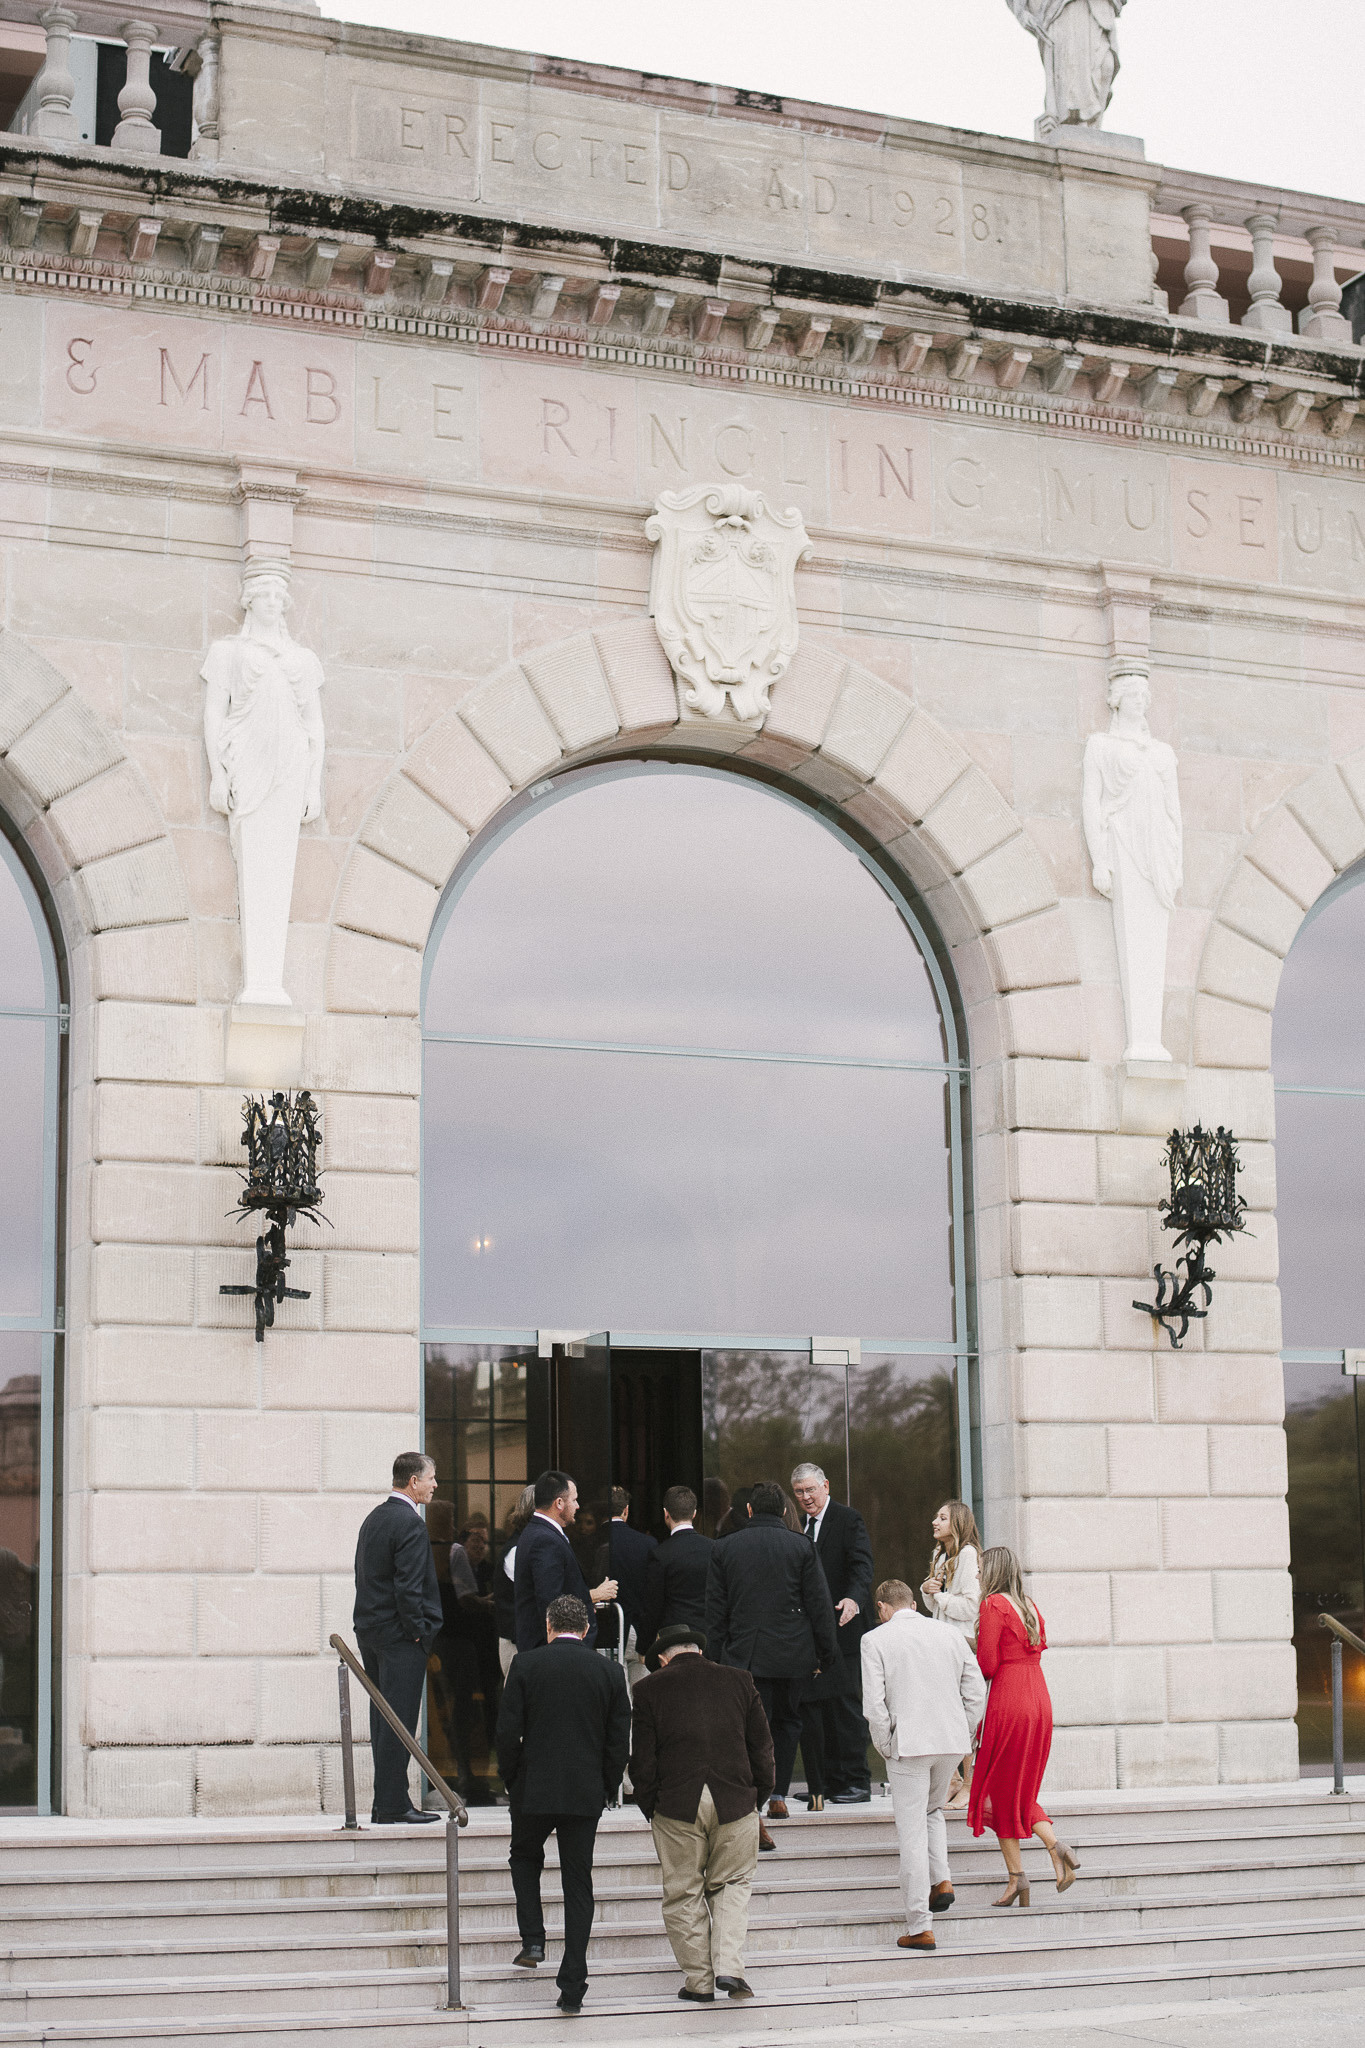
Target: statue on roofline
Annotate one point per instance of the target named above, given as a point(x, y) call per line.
point(1078, 42)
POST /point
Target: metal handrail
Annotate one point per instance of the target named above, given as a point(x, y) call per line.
point(1340, 1635)
point(457, 1813)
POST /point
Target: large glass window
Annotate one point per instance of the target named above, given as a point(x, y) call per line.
point(1319, 1059)
point(686, 1070)
point(690, 1079)
point(30, 1024)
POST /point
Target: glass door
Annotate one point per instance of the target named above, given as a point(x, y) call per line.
point(582, 1414)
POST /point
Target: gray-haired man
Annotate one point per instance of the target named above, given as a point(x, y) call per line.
point(833, 1732)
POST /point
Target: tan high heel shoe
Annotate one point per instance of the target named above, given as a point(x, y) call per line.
point(1016, 1891)
point(1069, 1867)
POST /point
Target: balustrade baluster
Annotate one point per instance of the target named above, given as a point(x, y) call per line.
point(1202, 301)
point(205, 75)
point(1321, 318)
point(56, 87)
point(1265, 313)
point(136, 132)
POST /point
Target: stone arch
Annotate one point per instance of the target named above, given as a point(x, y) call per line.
point(834, 727)
point(1308, 839)
point(97, 833)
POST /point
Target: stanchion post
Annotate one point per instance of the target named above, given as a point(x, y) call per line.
point(347, 1743)
point(1338, 1723)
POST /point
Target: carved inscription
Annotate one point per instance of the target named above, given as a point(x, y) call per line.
point(392, 408)
point(1224, 520)
point(1322, 533)
point(572, 154)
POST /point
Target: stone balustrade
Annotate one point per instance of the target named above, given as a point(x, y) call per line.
point(1271, 268)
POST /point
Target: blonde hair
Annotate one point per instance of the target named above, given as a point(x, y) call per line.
point(962, 1530)
point(893, 1593)
point(1000, 1573)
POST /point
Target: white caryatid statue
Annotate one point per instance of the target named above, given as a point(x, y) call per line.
point(1131, 810)
point(264, 739)
point(1078, 41)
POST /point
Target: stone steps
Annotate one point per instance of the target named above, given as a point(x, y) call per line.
point(64, 1982)
point(248, 1933)
point(624, 1925)
point(626, 1910)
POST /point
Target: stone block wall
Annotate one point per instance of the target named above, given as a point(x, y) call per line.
point(464, 512)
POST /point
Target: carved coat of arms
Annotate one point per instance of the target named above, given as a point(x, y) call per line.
point(723, 594)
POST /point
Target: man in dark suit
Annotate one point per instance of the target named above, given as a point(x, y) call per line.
point(397, 1618)
point(675, 1576)
point(563, 1735)
point(546, 1564)
point(768, 1610)
point(701, 1765)
point(834, 1735)
point(625, 1557)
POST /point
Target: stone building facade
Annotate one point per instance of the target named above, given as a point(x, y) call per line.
point(435, 326)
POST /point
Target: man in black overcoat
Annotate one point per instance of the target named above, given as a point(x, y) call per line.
point(546, 1564)
point(563, 1739)
point(768, 1610)
point(625, 1557)
point(675, 1576)
point(397, 1618)
point(834, 1735)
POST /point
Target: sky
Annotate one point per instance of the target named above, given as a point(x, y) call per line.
point(1265, 90)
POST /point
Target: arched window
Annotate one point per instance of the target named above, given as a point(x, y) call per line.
point(31, 1020)
point(691, 1079)
point(1319, 1062)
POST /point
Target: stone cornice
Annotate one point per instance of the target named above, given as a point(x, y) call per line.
point(199, 194)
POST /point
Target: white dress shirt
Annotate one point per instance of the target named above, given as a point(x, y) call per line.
point(813, 1522)
point(394, 1494)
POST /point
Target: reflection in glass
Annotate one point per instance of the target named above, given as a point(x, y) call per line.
point(903, 1454)
point(681, 906)
point(1323, 1426)
point(888, 1426)
point(20, 1450)
point(1319, 1060)
point(1319, 1034)
point(762, 1413)
point(587, 1189)
point(23, 1063)
point(484, 1423)
point(1320, 1176)
point(22, 985)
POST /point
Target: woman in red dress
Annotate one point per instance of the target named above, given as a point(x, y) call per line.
point(1016, 1734)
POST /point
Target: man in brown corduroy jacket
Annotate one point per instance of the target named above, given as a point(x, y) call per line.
point(701, 1765)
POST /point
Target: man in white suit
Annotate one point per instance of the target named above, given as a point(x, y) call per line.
point(923, 1696)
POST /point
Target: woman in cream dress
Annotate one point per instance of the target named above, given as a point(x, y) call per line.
point(952, 1593)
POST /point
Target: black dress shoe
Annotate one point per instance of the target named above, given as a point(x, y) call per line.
point(572, 2008)
point(736, 1987)
point(697, 1997)
point(855, 1796)
point(531, 1954)
point(413, 1818)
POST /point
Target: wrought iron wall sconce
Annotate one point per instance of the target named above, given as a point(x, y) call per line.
point(283, 1138)
point(1203, 1208)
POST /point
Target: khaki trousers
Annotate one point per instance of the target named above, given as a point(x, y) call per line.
point(919, 1791)
point(708, 1868)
